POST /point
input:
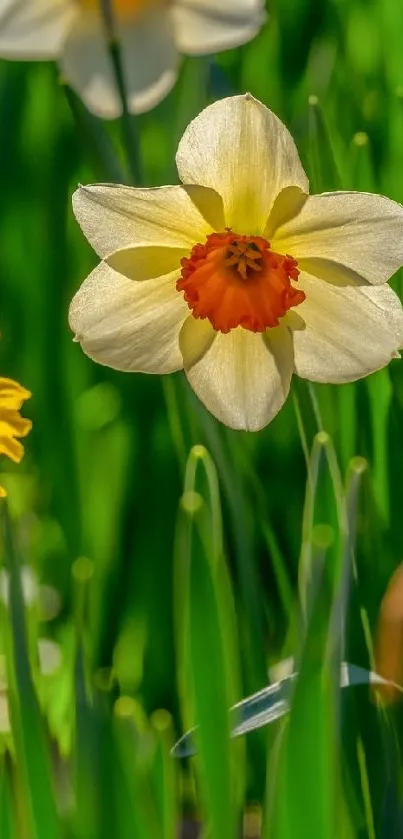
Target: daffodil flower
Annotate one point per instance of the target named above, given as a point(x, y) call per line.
point(151, 34)
point(239, 276)
point(12, 425)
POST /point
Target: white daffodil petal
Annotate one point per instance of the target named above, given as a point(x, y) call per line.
point(354, 232)
point(195, 339)
point(245, 153)
point(243, 378)
point(288, 204)
point(127, 325)
point(117, 217)
point(202, 27)
point(349, 331)
point(35, 29)
point(240, 8)
point(146, 263)
point(149, 58)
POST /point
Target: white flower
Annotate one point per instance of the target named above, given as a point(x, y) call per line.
point(151, 33)
point(240, 277)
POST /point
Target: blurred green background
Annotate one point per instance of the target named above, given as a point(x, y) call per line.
point(95, 502)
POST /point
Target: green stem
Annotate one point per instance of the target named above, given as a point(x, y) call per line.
point(130, 135)
point(95, 139)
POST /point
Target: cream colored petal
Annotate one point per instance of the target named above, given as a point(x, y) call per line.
point(34, 29)
point(208, 26)
point(349, 331)
point(128, 325)
point(240, 8)
point(355, 233)
point(146, 263)
point(118, 217)
point(243, 378)
point(196, 337)
point(149, 56)
point(243, 151)
point(288, 204)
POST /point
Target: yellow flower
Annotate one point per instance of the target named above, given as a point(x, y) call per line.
point(12, 425)
point(151, 33)
point(240, 277)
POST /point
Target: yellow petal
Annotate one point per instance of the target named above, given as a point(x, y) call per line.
point(12, 448)
point(129, 325)
point(202, 27)
point(12, 424)
point(350, 331)
point(243, 378)
point(245, 153)
point(35, 29)
point(349, 235)
point(12, 394)
point(117, 217)
point(149, 57)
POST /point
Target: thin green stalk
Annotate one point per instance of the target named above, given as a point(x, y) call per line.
point(95, 139)
point(130, 135)
point(200, 455)
point(174, 419)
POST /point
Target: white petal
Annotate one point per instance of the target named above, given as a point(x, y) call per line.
point(356, 231)
point(243, 378)
point(34, 29)
point(149, 57)
point(127, 325)
point(117, 217)
point(207, 26)
point(288, 204)
point(350, 331)
point(146, 263)
point(240, 8)
point(195, 339)
point(243, 151)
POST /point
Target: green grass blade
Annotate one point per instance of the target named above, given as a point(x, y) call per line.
point(164, 777)
point(32, 750)
point(134, 750)
point(324, 169)
point(7, 805)
point(207, 654)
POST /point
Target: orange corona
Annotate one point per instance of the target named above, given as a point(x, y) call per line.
point(126, 8)
point(236, 280)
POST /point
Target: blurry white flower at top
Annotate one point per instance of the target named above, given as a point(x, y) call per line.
point(151, 33)
point(240, 277)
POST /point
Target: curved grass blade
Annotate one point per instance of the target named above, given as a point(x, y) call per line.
point(273, 702)
point(206, 644)
point(305, 803)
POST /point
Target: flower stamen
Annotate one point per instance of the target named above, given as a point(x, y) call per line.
point(236, 280)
